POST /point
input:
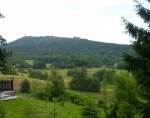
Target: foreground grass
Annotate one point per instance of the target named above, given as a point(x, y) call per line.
point(15, 108)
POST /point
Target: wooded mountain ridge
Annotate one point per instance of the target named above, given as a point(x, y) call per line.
point(68, 52)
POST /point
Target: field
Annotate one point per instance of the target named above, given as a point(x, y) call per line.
point(15, 108)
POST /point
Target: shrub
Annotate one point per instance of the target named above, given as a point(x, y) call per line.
point(25, 86)
point(22, 70)
point(57, 88)
point(90, 111)
point(71, 72)
point(85, 84)
point(110, 76)
point(39, 65)
point(75, 98)
point(100, 74)
point(81, 81)
point(36, 74)
point(106, 76)
point(127, 96)
point(77, 73)
point(38, 90)
point(8, 70)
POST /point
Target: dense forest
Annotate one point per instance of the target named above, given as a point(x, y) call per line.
point(67, 52)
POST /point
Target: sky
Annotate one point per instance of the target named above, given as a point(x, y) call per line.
point(98, 20)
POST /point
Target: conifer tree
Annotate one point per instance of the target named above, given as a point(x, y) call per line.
point(139, 64)
point(3, 52)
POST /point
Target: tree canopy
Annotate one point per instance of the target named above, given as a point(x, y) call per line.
point(3, 53)
point(62, 52)
point(139, 64)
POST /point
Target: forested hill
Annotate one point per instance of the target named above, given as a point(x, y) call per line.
point(68, 52)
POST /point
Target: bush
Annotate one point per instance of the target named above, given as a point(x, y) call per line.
point(100, 74)
point(49, 90)
point(39, 65)
point(71, 72)
point(77, 73)
point(25, 86)
point(57, 87)
point(22, 70)
point(8, 70)
point(107, 76)
point(110, 76)
point(81, 81)
point(85, 84)
point(75, 98)
point(38, 90)
point(90, 111)
point(38, 75)
point(127, 96)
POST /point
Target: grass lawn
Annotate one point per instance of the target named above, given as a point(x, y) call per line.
point(30, 62)
point(19, 76)
point(15, 108)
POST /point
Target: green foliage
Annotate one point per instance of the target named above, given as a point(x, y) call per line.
point(68, 52)
point(127, 97)
point(71, 72)
point(55, 87)
point(8, 70)
point(75, 98)
point(81, 81)
point(139, 64)
point(39, 65)
point(146, 110)
point(39, 90)
point(3, 53)
point(90, 111)
point(110, 76)
point(19, 63)
point(85, 84)
point(106, 76)
point(37, 74)
point(22, 70)
point(25, 86)
point(101, 74)
point(58, 87)
point(102, 114)
point(126, 110)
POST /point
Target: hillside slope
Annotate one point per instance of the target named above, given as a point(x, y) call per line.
point(68, 52)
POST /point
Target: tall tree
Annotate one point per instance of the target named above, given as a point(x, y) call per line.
point(139, 64)
point(3, 53)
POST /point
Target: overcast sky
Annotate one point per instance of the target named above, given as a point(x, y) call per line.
point(98, 20)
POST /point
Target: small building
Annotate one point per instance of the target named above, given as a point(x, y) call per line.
point(6, 85)
point(7, 89)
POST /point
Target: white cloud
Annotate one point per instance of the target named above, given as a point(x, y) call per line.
point(92, 19)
